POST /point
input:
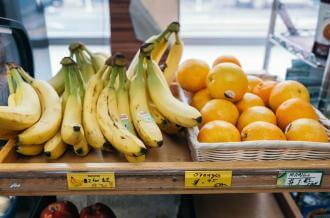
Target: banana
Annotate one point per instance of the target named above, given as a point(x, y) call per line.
point(93, 132)
point(170, 107)
point(173, 59)
point(159, 49)
point(112, 128)
point(27, 106)
point(11, 97)
point(133, 159)
point(29, 150)
point(51, 117)
point(83, 60)
point(57, 82)
point(144, 124)
point(81, 148)
point(122, 93)
point(71, 129)
point(164, 124)
point(55, 147)
point(98, 59)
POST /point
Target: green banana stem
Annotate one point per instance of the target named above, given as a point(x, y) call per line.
point(113, 77)
point(10, 80)
point(122, 78)
point(18, 79)
point(25, 75)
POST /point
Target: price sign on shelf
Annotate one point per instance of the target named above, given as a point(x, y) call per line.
point(91, 181)
point(299, 178)
point(208, 179)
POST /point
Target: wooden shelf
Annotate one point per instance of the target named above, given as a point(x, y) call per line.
point(162, 173)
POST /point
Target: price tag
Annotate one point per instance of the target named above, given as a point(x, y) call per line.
point(208, 179)
point(90, 181)
point(299, 178)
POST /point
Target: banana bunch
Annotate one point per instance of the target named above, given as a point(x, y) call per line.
point(88, 62)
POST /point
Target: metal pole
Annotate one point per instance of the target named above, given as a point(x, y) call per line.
point(271, 29)
point(325, 90)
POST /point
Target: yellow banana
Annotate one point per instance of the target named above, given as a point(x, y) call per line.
point(144, 124)
point(57, 82)
point(98, 58)
point(55, 147)
point(29, 150)
point(108, 119)
point(173, 59)
point(71, 129)
point(27, 109)
point(81, 148)
point(93, 132)
point(51, 117)
point(159, 49)
point(170, 107)
point(164, 124)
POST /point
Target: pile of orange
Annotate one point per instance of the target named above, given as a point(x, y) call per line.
point(238, 107)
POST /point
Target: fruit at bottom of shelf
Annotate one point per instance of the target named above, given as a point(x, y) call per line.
point(262, 131)
point(29, 150)
point(55, 147)
point(60, 209)
point(306, 130)
point(97, 210)
point(227, 81)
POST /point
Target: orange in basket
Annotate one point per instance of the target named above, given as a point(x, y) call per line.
point(253, 82)
point(249, 100)
point(219, 109)
point(200, 98)
point(226, 59)
point(253, 114)
point(264, 89)
point(219, 131)
point(306, 130)
point(286, 90)
point(262, 131)
point(192, 74)
point(292, 110)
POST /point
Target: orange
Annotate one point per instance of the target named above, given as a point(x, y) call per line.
point(192, 74)
point(286, 90)
point(200, 98)
point(293, 109)
point(264, 89)
point(306, 130)
point(227, 81)
point(256, 113)
point(219, 109)
point(249, 100)
point(262, 131)
point(253, 82)
point(219, 131)
point(226, 59)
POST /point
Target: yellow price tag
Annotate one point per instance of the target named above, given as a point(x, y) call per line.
point(89, 181)
point(208, 179)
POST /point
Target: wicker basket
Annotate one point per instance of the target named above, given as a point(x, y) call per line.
point(256, 150)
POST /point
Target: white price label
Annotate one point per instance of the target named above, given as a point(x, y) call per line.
point(299, 178)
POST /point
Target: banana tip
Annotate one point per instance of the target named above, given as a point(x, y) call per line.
point(160, 143)
point(144, 151)
point(199, 119)
point(47, 153)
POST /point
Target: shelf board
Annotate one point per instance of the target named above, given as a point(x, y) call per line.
point(300, 46)
point(162, 173)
